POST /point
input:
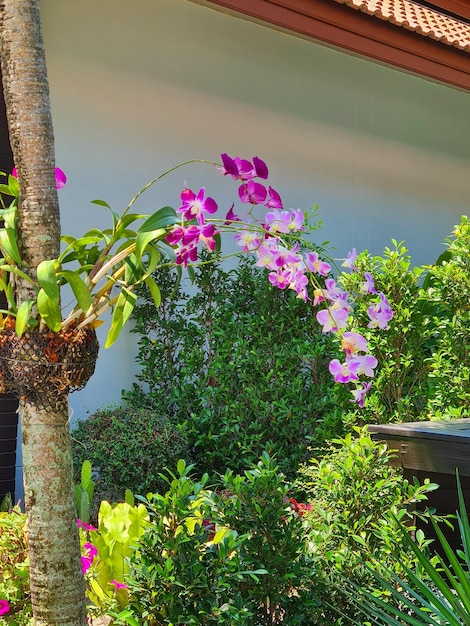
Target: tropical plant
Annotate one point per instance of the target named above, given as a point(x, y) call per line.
point(107, 551)
point(434, 592)
point(359, 504)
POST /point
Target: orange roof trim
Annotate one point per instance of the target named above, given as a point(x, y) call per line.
point(418, 18)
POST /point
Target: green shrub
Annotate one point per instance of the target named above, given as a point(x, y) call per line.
point(436, 592)
point(183, 573)
point(127, 448)
point(423, 355)
point(446, 287)
point(14, 569)
point(232, 556)
point(358, 501)
point(240, 367)
point(400, 388)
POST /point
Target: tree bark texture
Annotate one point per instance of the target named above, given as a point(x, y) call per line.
point(57, 584)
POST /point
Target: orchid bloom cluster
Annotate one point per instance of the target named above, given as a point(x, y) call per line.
point(276, 243)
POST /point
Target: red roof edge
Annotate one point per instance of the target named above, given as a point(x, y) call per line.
point(342, 27)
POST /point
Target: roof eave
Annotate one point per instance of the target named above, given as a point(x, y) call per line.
point(340, 26)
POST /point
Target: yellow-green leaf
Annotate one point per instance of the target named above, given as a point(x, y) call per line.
point(47, 278)
point(79, 288)
point(124, 306)
point(8, 245)
point(49, 310)
point(144, 238)
point(154, 290)
point(22, 316)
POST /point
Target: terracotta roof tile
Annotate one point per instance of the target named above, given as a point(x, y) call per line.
point(418, 18)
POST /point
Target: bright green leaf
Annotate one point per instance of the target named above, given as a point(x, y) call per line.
point(49, 310)
point(47, 278)
point(22, 316)
point(122, 311)
point(166, 216)
point(154, 290)
point(79, 288)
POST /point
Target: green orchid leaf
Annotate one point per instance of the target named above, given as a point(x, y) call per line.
point(129, 218)
point(106, 205)
point(8, 244)
point(154, 290)
point(218, 242)
point(6, 189)
point(124, 306)
point(133, 273)
point(7, 289)
point(144, 238)
point(79, 288)
point(22, 316)
point(49, 310)
point(13, 269)
point(9, 216)
point(166, 216)
point(153, 259)
point(14, 185)
point(47, 278)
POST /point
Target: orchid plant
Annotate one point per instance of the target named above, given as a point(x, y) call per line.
point(104, 267)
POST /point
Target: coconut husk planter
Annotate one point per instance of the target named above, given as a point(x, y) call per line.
point(46, 364)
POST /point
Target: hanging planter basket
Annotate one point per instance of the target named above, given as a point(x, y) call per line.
point(47, 364)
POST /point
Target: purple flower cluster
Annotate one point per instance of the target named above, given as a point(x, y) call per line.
point(275, 243)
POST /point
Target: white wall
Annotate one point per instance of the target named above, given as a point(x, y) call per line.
point(138, 86)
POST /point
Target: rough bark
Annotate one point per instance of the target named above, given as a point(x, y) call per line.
point(56, 582)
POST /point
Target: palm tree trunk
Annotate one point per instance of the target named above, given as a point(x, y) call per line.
point(57, 584)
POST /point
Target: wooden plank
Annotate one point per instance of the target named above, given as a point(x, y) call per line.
point(429, 455)
point(447, 430)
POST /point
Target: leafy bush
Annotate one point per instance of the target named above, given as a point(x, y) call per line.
point(227, 557)
point(400, 387)
point(14, 569)
point(446, 287)
point(143, 443)
point(423, 355)
point(358, 504)
point(240, 367)
point(437, 592)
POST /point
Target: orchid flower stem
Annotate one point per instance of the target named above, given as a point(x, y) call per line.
point(160, 176)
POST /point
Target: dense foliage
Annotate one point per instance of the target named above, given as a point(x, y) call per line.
point(142, 442)
point(239, 367)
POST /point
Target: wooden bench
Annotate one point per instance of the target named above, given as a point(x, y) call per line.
point(433, 450)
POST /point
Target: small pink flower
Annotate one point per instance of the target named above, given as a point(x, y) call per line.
point(4, 607)
point(118, 585)
point(193, 206)
point(353, 342)
point(88, 556)
point(231, 216)
point(360, 393)
point(252, 193)
point(274, 201)
point(315, 264)
point(60, 177)
point(84, 525)
point(350, 262)
point(344, 372)
point(332, 320)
